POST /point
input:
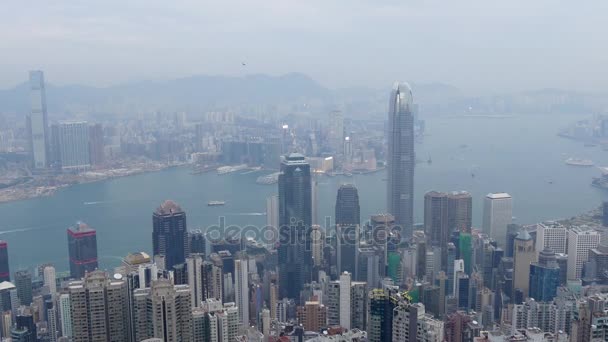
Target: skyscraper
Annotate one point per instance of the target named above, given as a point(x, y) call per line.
point(99, 308)
point(436, 223)
point(336, 131)
point(295, 223)
point(38, 125)
point(65, 315)
point(241, 284)
point(497, 214)
point(194, 263)
point(96, 152)
point(401, 158)
point(73, 145)
point(551, 235)
point(348, 218)
point(82, 248)
point(170, 235)
point(50, 280)
point(523, 255)
point(544, 277)
point(4, 265)
point(23, 282)
point(460, 211)
point(580, 242)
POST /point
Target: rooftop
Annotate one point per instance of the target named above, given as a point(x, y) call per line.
point(168, 208)
point(81, 227)
point(498, 195)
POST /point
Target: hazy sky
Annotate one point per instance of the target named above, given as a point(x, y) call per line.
point(477, 45)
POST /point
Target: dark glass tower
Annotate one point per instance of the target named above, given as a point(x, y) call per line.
point(82, 248)
point(544, 277)
point(169, 235)
point(348, 219)
point(5, 274)
point(436, 222)
point(295, 221)
point(23, 282)
point(401, 158)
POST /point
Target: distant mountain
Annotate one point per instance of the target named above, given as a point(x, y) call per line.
point(179, 94)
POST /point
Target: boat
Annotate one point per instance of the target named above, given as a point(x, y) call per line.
point(215, 203)
point(579, 162)
point(222, 170)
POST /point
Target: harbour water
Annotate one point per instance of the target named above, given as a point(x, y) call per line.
point(521, 155)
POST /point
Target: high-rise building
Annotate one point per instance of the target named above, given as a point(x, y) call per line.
point(295, 223)
point(65, 315)
point(345, 300)
point(163, 311)
point(312, 315)
point(348, 219)
point(99, 308)
point(336, 130)
point(401, 158)
point(37, 121)
point(580, 242)
point(523, 256)
point(497, 214)
point(4, 265)
point(96, 146)
point(197, 242)
point(380, 316)
point(73, 140)
point(436, 223)
point(544, 277)
point(272, 217)
point(241, 288)
point(551, 235)
point(169, 234)
point(50, 279)
point(194, 264)
point(82, 248)
point(411, 323)
point(460, 211)
point(25, 328)
point(23, 282)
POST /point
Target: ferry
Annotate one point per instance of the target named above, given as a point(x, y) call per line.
point(215, 203)
point(579, 162)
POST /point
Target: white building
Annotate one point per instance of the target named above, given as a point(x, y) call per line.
point(345, 314)
point(65, 313)
point(50, 280)
point(410, 323)
point(73, 145)
point(551, 235)
point(194, 263)
point(580, 241)
point(497, 214)
point(241, 289)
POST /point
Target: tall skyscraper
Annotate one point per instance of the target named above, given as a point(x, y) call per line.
point(580, 242)
point(523, 255)
point(170, 235)
point(497, 214)
point(272, 217)
point(460, 211)
point(241, 284)
point(65, 315)
point(295, 223)
point(99, 308)
point(544, 276)
point(23, 282)
point(73, 145)
point(436, 223)
point(37, 122)
point(411, 323)
point(50, 280)
point(551, 235)
point(348, 219)
point(194, 263)
point(82, 248)
point(345, 300)
point(401, 158)
point(380, 316)
point(96, 146)
point(4, 265)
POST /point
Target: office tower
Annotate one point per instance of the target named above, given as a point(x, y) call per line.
point(51, 320)
point(96, 146)
point(194, 265)
point(4, 265)
point(331, 297)
point(99, 308)
point(358, 305)
point(37, 121)
point(345, 300)
point(523, 255)
point(65, 314)
point(380, 316)
point(25, 327)
point(348, 219)
point(272, 219)
point(544, 277)
point(73, 148)
point(411, 323)
point(50, 280)
point(312, 316)
point(211, 281)
point(512, 231)
point(595, 268)
point(551, 235)
point(336, 131)
point(295, 221)
point(170, 235)
point(163, 311)
point(368, 268)
point(23, 282)
point(348, 211)
point(401, 158)
point(466, 250)
point(241, 288)
point(436, 223)
point(497, 214)
point(580, 242)
point(317, 243)
point(82, 248)
point(460, 211)
point(197, 242)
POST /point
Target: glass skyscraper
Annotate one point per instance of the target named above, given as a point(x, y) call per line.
point(37, 120)
point(401, 158)
point(82, 248)
point(170, 235)
point(348, 219)
point(295, 221)
point(544, 277)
